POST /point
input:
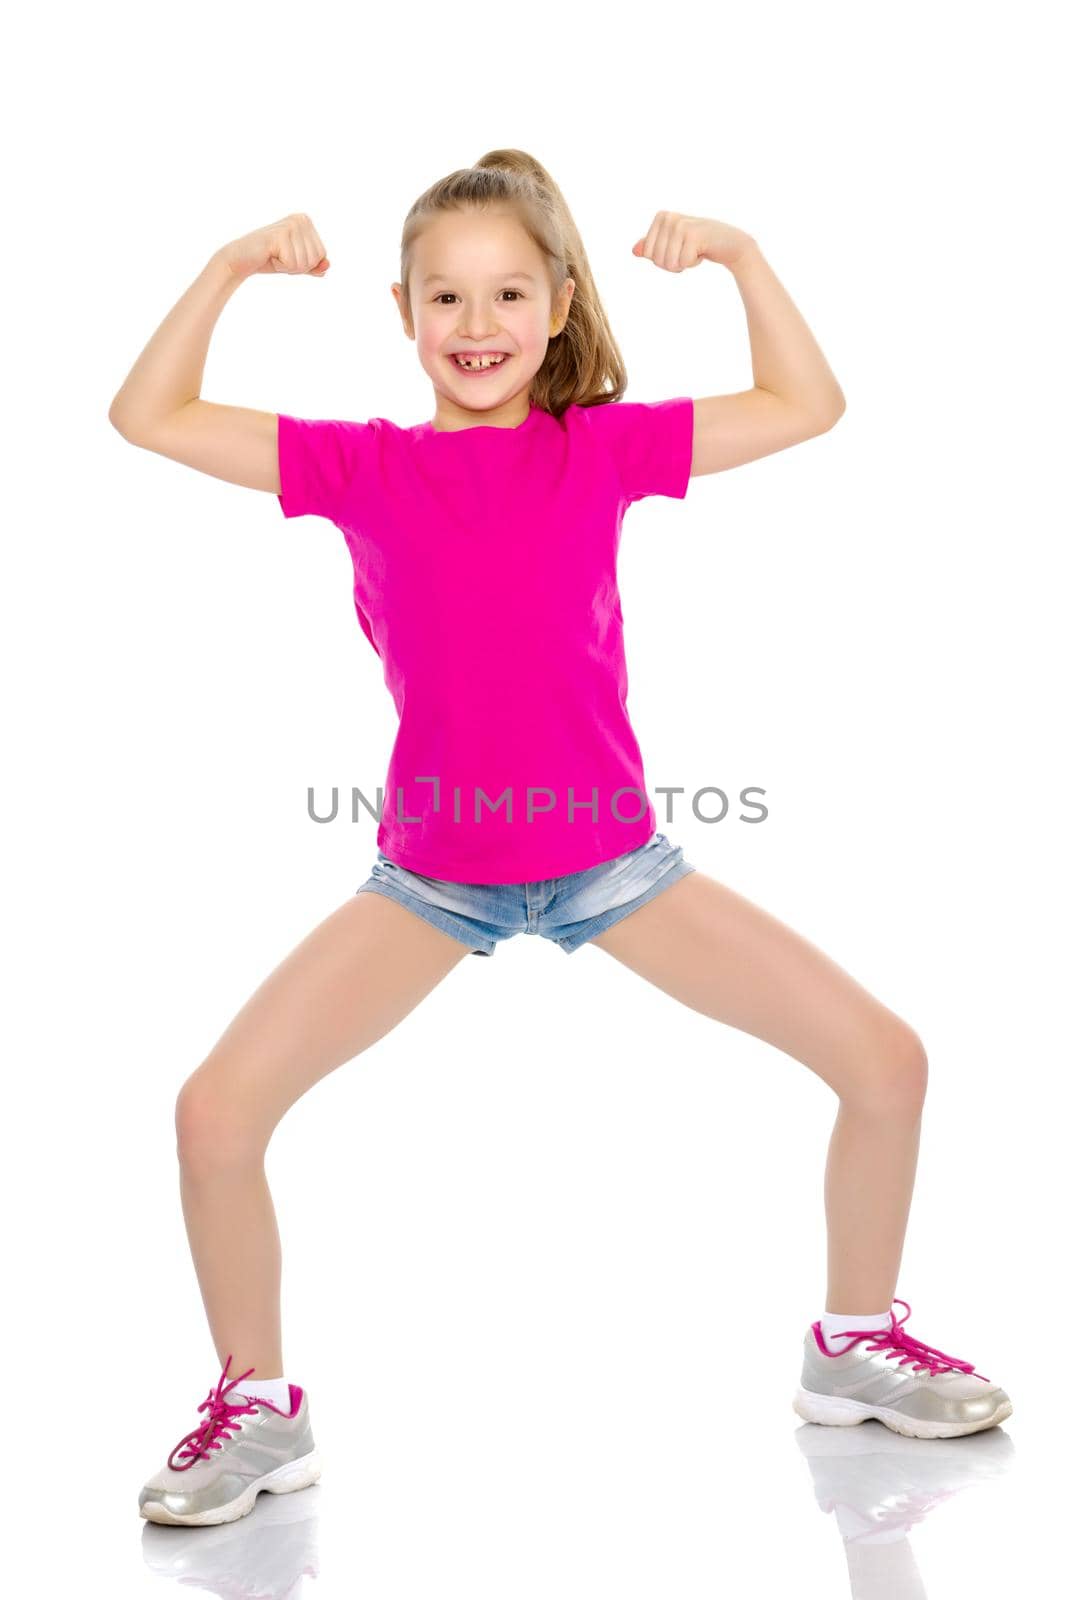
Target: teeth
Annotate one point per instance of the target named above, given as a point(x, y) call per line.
point(478, 362)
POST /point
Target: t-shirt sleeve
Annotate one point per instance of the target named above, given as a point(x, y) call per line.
point(651, 444)
point(319, 463)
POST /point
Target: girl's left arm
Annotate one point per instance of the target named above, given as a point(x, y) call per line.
point(794, 395)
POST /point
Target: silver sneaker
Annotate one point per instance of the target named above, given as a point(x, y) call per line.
point(899, 1380)
point(242, 1447)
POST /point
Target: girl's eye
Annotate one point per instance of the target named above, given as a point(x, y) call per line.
point(449, 293)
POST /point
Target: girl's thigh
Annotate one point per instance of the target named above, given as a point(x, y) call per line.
point(343, 987)
point(720, 954)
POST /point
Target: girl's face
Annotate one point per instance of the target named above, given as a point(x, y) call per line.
point(479, 286)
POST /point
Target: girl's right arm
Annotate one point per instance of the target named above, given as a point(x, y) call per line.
point(159, 406)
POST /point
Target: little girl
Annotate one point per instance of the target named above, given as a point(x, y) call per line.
point(484, 548)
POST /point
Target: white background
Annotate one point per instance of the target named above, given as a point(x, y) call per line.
point(550, 1247)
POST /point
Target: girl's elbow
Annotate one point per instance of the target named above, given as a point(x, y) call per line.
point(828, 415)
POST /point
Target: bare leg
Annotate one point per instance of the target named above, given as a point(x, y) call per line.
point(346, 985)
point(719, 954)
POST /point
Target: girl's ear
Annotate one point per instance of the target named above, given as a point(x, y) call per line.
point(397, 291)
point(566, 296)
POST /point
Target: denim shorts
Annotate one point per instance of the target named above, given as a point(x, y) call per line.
point(567, 910)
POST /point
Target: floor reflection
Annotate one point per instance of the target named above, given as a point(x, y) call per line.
point(263, 1556)
point(879, 1485)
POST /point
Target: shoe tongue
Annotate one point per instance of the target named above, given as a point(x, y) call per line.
point(239, 1397)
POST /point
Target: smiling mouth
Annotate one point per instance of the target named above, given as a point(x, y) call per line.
point(484, 365)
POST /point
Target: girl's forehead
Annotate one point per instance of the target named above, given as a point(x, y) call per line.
point(479, 245)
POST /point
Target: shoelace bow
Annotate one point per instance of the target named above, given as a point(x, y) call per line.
point(217, 1427)
point(906, 1349)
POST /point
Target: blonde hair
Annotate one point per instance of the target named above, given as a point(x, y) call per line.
point(582, 364)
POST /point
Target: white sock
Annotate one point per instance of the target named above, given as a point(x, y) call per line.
point(276, 1390)
point(834, 1324)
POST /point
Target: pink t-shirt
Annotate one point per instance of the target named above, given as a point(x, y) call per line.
point(485, 579)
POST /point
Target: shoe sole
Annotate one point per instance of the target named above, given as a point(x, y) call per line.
point(299, 1474)
point(836, 1412)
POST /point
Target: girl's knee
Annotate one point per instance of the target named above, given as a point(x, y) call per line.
point(901, 1069)
point(211, 1132)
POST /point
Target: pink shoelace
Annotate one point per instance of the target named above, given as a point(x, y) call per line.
point(218, 1426)
point(906, 1348)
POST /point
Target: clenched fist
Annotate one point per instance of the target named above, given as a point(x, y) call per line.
point(291, 245)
